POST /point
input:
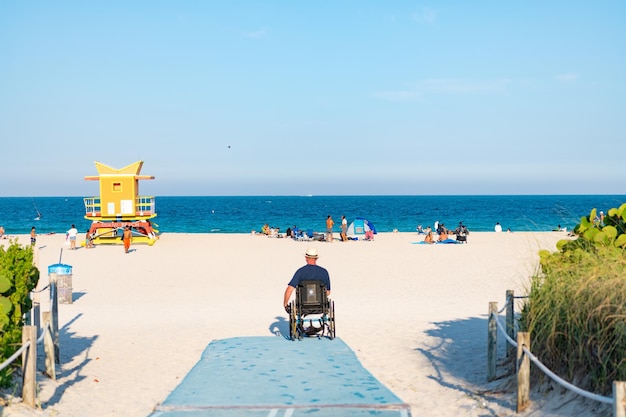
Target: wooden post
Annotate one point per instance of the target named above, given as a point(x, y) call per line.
point(29, 366)
point(523, 372)
point(28, 318)
point(48, 345)
point(492, 341)
point(35, 311)
point(510, 321)
point(54, 301)
point(619, 399)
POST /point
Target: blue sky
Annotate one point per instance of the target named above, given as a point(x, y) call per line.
point(322, 98)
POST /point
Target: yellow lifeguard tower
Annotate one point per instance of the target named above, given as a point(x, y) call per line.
point(120, 205)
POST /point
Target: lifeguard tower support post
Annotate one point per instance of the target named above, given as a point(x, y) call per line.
point(120, 205)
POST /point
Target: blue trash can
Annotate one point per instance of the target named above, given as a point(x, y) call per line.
point(62, 275)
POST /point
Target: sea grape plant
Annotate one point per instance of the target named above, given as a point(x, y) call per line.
point(18, 277)
point(593, 231)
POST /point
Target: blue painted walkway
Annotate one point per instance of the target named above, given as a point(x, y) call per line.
point(274, 377)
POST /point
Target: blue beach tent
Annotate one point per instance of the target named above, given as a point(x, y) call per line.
point(359, 226)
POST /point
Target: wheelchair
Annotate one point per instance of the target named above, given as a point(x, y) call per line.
point(312, 313)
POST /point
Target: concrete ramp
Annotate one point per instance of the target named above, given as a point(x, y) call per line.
point(274, 377)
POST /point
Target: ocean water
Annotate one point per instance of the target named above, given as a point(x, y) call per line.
point(244, 214)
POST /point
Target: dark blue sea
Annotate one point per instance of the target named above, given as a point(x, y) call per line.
point(243, 214)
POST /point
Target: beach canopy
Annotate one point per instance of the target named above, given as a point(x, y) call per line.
point(359, 226)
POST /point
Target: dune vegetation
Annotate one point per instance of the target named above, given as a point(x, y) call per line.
point(576, 309)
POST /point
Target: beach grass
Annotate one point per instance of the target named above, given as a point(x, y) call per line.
point(576, 314)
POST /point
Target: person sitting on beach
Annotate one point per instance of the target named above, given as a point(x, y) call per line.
point(274, 232)
point(420, 230)
point(2, 236)
point(429, 238)
point(310, 271)
point(369, 235)
point(461, 233)
point(443, 235)
point(265, 229)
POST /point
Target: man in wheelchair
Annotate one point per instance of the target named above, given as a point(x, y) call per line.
point(312, 285)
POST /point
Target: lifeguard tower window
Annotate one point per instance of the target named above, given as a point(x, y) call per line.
point(117, 186)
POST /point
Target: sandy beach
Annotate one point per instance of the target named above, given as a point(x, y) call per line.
point(415, 315)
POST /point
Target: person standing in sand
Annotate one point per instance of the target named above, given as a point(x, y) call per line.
point(127, 237)
point(329, 228)
point(310, 271)
point(344, 229)
point(33, 236)
point(71, 235)
point(88, 240)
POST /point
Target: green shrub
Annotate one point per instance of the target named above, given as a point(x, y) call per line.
point(576, 310)
point(18, 277)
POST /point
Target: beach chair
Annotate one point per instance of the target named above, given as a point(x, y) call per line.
point(312, 313)
point(302, 236)
point(461, 233)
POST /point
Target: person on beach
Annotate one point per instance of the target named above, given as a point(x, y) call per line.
point(498, 228)
point(329, 228)
point(429, 237)
point(2, 236)
point(310, 271)
point(344, 229)
point(71, 235)
point(33, 236)
point(88, 240)
point(127, 237)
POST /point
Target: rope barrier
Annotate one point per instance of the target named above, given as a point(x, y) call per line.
point(15, 355)
point(41, 290)
point(24, 347)
point(503, 330)
point(502, 309)
point(564, 383)
point(552, 375)
point(45, 330)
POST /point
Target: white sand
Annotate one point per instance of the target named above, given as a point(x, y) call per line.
point(415, 315)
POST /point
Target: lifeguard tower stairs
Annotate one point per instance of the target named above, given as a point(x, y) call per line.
point(120, 205)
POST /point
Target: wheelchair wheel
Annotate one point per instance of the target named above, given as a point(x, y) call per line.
point(293, 322)
point(331, 321)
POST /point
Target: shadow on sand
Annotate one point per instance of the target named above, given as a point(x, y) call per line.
point(459, 359)
point(70, 347)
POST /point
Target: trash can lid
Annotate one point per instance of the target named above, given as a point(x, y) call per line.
point(60, 269)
